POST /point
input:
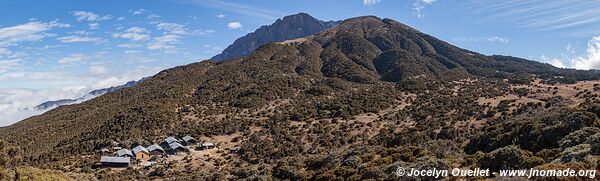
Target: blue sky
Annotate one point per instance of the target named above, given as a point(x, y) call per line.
point(64, 48)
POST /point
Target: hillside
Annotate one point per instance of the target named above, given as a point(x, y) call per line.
point(352, 102)
point(289, 27)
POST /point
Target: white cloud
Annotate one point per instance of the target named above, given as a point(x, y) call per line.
point(133, 33)
point(370, 2)
point(85, 15)
point(128, 45)
point(234, 25)
point(98, 69)
point(18, 104)
point(4, 51)
point(121, 18)
point(136, 73)
point(592, 58)
point(491, 39)
point(89, 16)
point(553, 61)
point(172, 28)
point(566, 18)
point(31, 31)
point(76, 39)
point(153, 16)
point(6, 65)
point(419, 5)
point(55, 23)
point(497, 39)
point(138, 12)
point(239, 8)
point(107, 17)
point(221, 16)
point(82, 33)
point(132, 51)
point(587, 61)
point(164, 42)
point(78, 57)
point(94, 26)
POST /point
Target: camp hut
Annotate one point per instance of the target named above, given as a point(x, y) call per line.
point(141, 153)
point(172, 139)
point(124, 153)
point(176, 148)
point(188, 140)
point(156, 150)
point(112, 161)
point(208, 145)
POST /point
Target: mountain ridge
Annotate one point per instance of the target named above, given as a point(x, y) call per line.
point(53, 104)
point(358, 99)
point(288, 27)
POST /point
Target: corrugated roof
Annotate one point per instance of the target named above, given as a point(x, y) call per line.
point(171, 139)
point(124, 152)
point(176, 145)
point(138, 149)
point(155, 147)
point(114, 159)
point(188, 138)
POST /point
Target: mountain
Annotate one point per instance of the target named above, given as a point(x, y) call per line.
point(353, 102)
point(289, 27)
point(95, 93)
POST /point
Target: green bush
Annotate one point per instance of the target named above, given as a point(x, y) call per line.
point(510, 157)
point(579, 153)
point(594, 142)
point(578, 137)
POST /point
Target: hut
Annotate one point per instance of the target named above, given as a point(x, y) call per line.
point(172, 139)
point(124, 153)
point(112, 161)
point(208, 145)
point(156, 150)
point(141, 153)
point(188, 140)
point(176, 148)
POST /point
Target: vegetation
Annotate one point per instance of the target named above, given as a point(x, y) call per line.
point(353, 102)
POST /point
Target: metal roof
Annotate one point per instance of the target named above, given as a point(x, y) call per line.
point(155, 147)
point(208, 144)
point(123, 152)
point(176, 145)
point(171, 139)
point(140, 148)
point(188, 138)
point(114, 159)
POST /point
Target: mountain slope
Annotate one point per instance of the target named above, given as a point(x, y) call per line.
point(351, 101)
point(289, 27)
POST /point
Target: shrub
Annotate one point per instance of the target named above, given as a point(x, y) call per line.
point(579, 153)
point(578, 137)
point(594, 142)
point(510, 157)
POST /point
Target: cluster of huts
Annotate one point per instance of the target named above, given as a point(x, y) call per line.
point(121, 157)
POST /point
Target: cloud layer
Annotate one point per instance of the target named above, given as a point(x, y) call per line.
point(591, 60)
